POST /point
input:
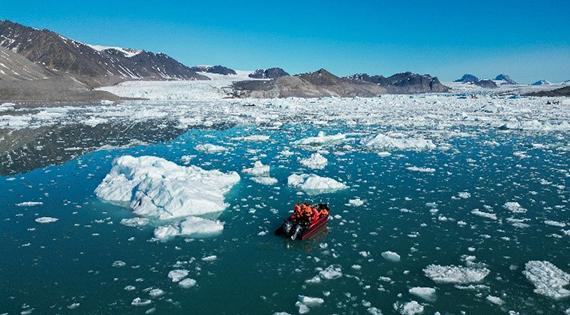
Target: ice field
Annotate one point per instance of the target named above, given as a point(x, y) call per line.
point(440, 203)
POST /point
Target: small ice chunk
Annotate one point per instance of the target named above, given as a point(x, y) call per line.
point(464, 195)
point(409, 308)
point(140, 302)
point(331, 272)
point(455, 274)
point(154, 293)
point(321, 139)
point(187, 283)
point(391, 256)
point(495, 300)
point(177, 274)
point(356, 202)
point(311, 301)
point(514, 207)
point(315, 161)
point(118, 264)
point(314, 184)
point(258, 169)
point(45, 220)
point(548, 279)
point(483, 214)
point(425, 293)
point(555, 223)
point(265, 180)
point(210, 258)
point(421, 169)
point(210, 148)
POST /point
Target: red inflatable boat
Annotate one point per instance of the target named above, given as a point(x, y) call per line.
point(305, 221)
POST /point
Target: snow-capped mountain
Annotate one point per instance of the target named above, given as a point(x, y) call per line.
point(504, 79)
point(92, 64)
point(542, 82)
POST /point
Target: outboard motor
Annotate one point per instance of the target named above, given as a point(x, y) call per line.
point(298, 229)
point(287, 226)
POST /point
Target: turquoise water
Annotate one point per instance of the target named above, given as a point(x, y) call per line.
point(49, 267)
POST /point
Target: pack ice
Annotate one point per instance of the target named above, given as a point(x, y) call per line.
point(159, 189)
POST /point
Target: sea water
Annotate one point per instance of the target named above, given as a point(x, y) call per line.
point(401, 212)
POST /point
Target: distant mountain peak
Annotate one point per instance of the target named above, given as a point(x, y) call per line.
point(505, 78)
point(468, 78)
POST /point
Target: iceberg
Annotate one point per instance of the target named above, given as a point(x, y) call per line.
point(157, 188)
point(191, 226)
point(46, 220)
point(314, 184)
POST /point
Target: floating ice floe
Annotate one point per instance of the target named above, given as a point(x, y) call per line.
point(210, 148)
point(514, 207)
point(45, 220)
point(495, 300)
point(306, 302)
point(382, 143)
point(315, 161)
point(260, 174)
point(409, 308)
point(547, 279)
point(322, 139)
point(187, 283)
point(455, 274)
point(191, 226)
point(356, 202)
point(140, 302)
point(331, 272)
point(314, 184)
point(177, 274)
point(425, 293)
point(29, 204)
point(258, 169)
point(94, 121)
point(253, 138)
point(483, 214)
point(391, 256)
point(421, 169)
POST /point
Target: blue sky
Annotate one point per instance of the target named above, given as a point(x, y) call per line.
point(529, 40)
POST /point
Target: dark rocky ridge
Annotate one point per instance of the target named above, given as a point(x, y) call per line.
point(93, 67)
point(487, 84)
point(320, 83)
point(563, 91)
point(270, 73)
point(214, 69)
point(405, 83)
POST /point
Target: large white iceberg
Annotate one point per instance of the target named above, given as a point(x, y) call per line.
point(314, 184)
point(161, 189)
point(548, 279)
point(398, 143)
point(158, 189)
